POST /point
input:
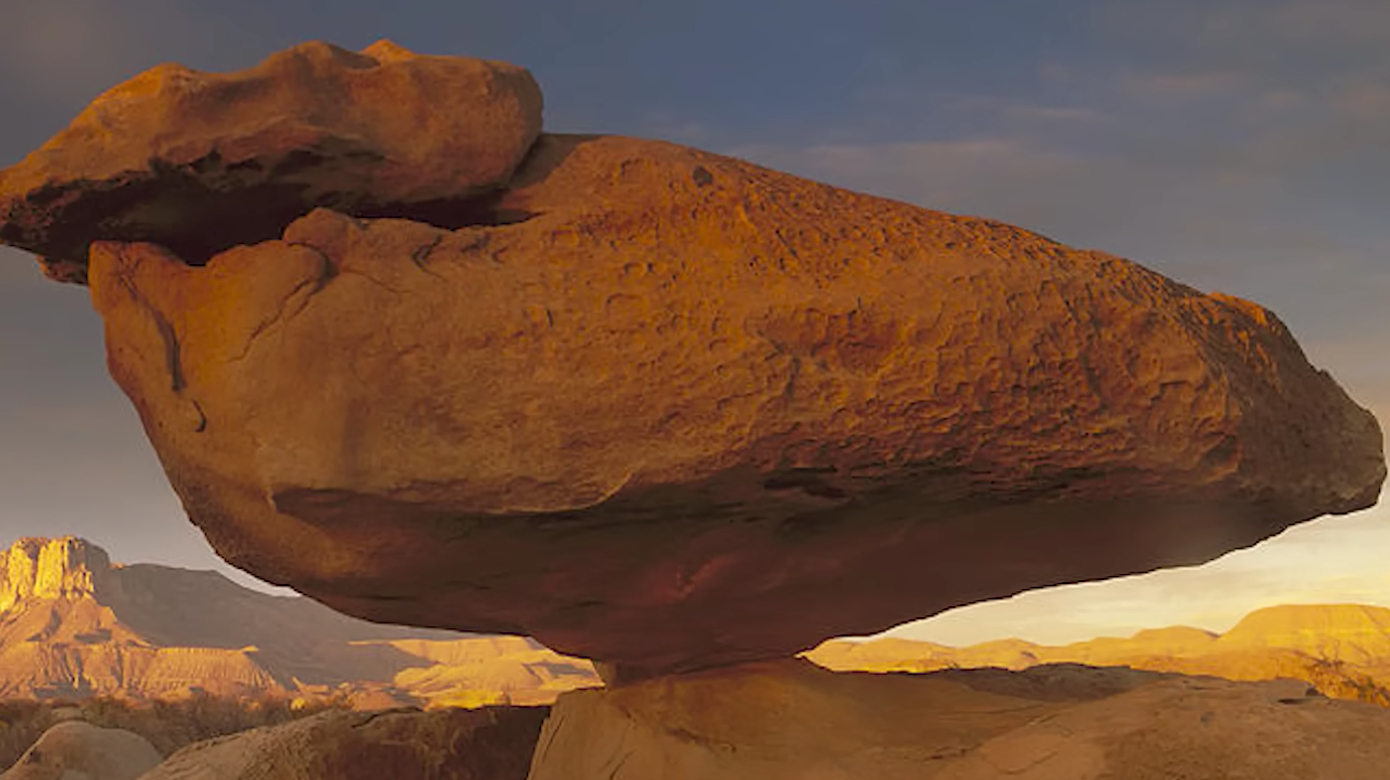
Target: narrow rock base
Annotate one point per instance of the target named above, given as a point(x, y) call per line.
point(791, 720)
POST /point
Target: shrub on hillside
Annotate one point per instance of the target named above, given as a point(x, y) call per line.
point(1334, 677)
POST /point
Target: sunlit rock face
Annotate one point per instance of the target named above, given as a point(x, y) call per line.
point(670, 410)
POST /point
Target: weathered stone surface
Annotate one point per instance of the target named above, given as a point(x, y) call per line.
point(489, 744)
point(200, 161)
point(75, 750)
point(789, 720)
point(694, 411)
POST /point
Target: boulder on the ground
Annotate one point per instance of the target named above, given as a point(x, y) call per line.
point(791, 721)
point(77, 750)
point(495, 743)
point(202, 161)
point(691, 411)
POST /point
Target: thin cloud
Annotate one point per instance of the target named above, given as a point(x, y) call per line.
point(1186, 86)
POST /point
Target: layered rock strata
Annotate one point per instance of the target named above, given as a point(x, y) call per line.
point(669, 410)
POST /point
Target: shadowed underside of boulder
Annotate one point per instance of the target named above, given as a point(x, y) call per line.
point(691, 411)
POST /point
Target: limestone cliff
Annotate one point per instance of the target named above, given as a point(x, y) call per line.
point(49, 569)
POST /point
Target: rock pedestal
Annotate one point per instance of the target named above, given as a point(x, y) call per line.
point(789, 720)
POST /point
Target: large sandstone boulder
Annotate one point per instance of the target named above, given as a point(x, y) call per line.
point(486, 744)
point(76, 750)
point(200, 161)
point(694, 412)
point(789, 720)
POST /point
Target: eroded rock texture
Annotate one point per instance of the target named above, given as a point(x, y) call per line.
point(691, 411)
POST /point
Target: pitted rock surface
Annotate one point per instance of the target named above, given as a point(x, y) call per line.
point(693, 412)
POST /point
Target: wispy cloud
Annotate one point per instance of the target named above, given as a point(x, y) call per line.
point(1186, 86)
point(71, 50)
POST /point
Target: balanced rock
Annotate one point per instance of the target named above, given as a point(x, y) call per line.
point(198, 161)
point(692, 411)
point(788, 720)
point(495, 743)
point(76, 750)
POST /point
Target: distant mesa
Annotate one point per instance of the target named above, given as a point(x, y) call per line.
point(72, 625)
point(1343, 650)
point(402, 351)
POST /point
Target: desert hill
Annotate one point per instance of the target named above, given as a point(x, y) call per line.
point(1342, 649)
point(73, 624)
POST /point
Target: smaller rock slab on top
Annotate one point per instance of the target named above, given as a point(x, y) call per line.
point(201, 161)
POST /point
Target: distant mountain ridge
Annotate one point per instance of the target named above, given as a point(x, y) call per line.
point(1342, 649)
point(72, 624)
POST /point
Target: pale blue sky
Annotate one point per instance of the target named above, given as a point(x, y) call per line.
point(1237, 145)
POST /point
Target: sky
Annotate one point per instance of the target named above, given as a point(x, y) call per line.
point(1235, 145)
